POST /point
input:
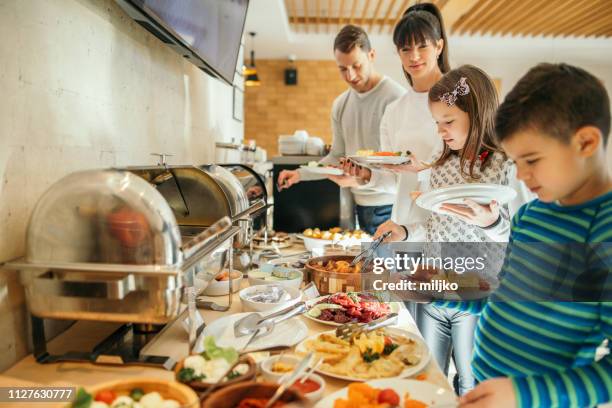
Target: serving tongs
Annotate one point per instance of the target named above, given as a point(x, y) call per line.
point(350, 330)
point(367, 254)
point(256, 321)
point(290, 379)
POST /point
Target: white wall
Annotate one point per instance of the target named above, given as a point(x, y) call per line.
point(83, 86)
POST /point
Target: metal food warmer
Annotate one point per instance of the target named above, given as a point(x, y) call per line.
point(133, 246)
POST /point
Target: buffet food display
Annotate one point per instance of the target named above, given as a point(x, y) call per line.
point(352, 307)
point(379, 354)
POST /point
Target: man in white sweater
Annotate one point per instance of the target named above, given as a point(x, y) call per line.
point(356, 116)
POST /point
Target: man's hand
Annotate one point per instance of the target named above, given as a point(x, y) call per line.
point(397, 231)
point(287, 178)
point(473, 213)
point(354, 175)
point(414, 165)
point(494, 393)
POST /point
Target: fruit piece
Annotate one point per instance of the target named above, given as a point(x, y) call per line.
point(388, 396)
point(105, 396)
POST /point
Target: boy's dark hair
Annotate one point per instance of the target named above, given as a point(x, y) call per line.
point(480, 103)
point(422, 23)
point(555, 99)
point(352, 36)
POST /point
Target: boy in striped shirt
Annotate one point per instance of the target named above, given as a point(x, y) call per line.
point(538, 333)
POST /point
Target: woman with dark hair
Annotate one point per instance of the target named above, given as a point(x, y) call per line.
point(420, 40)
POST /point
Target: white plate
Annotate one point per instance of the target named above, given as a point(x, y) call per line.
point(286, 334)
point(408, 371)
point(380, 159)
point(393, 308)
point(479, 192)
point(424, 391)
point(333, 171)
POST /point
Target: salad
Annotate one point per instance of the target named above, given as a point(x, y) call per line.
point(211, 364)
point(109, 399)
point(351, 307)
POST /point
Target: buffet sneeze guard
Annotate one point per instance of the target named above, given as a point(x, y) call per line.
point(133, 247)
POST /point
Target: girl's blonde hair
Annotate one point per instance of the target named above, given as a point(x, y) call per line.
point(480, 103)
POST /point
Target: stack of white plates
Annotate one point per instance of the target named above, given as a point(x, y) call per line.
point(291, 145)
point(314, 146)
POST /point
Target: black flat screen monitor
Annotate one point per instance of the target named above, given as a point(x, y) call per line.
point(210, 29)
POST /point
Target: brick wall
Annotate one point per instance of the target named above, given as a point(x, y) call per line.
point(274, 108)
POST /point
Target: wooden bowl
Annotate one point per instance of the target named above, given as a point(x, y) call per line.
point(203, 386)
point(332, 282)
point(230, 397)
point(167, 389)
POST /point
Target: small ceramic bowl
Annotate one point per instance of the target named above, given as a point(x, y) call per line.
point(203, 386)
point(230, 397)
point(273, 376)
point(221, 287)
point(316, 395)
point(250, 305)
point(264, 276)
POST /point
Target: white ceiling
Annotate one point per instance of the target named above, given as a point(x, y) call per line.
point(275, 40)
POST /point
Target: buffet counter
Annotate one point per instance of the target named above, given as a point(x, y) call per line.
point(28, 372)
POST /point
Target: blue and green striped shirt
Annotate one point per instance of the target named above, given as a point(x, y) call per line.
point(548, 347)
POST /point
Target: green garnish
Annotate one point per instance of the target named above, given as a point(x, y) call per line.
point(233, 375)
point(389, 348)
point(213, 352)
point(368, 356)
point(186, 375)
point(354, 296)
point(136, 394)
point(83, 399)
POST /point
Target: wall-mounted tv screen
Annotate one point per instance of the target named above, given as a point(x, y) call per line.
point(207, 32)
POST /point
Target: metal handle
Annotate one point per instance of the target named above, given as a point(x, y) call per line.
point(51, 283)
point(285, 314)
point(218, 227)
point(244, 215)
point(377, 324)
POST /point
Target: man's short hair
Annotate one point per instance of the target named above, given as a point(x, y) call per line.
point(557, 100)
point(352, 36)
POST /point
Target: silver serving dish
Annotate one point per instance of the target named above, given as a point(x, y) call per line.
point(115, 245)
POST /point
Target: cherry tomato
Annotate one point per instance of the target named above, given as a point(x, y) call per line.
point(388, 396)
point(106, 396)
point(388, 341)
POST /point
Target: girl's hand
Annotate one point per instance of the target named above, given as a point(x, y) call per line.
point(473, 213)
point(397, 231)
point(494, 393)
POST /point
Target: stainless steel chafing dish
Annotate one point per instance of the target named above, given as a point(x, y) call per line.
point(106, 245)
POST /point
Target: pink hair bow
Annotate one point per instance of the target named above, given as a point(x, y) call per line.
point(461, 89)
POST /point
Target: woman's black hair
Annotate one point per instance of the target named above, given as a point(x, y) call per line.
point(421, 23)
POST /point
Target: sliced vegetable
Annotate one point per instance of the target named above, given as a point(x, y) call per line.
point(106, 396)
point(388, 396)
point(316, 310)
point(83, 399)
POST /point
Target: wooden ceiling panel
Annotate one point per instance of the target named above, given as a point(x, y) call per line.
point(557, 18)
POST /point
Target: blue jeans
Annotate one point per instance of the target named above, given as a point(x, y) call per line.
point(445, 330)
point(370, 217)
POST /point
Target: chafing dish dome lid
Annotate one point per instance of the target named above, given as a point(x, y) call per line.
point(103, 216)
